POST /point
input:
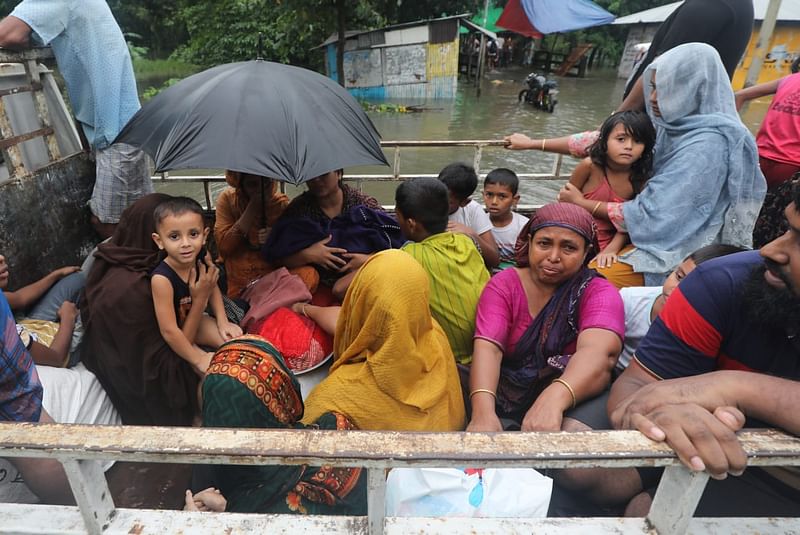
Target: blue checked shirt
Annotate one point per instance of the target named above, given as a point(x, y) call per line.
point(20, 390)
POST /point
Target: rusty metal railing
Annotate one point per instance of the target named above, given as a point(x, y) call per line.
point(395, 175)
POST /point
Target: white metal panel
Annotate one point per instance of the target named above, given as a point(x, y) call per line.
point(407, 36)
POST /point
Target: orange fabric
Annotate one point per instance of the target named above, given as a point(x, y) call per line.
point(243, 261)
point(620, 274)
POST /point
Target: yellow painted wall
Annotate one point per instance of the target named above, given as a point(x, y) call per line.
point(784, 46)
point(442, 59)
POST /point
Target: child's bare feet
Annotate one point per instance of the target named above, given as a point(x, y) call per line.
point(206, 500)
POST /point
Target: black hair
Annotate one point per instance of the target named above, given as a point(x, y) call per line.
point(640, 128)
point(504, 177)
point(715, 250)
point(796, 192)
point(426, 201)
point(459, 178)
point(176, 206)
point(795, 65)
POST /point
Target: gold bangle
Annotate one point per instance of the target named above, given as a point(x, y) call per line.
point(303, 310)
point(543, 142)
point(596, 206)
point(482, 390)
point(559, 380)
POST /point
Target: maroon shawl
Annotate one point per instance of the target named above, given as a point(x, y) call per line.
point(147, 382)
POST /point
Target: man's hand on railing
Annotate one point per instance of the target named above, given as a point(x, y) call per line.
point(702, 440)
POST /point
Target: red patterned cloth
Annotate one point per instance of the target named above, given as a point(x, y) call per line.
point(300, 340)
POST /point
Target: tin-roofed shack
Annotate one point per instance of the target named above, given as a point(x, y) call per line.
point(411, 60)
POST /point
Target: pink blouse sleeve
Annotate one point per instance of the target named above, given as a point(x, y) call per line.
point(494, 316)
point(616, 216)
point(579, 143)
point(602, 308)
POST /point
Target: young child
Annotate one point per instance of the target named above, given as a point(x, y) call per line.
point(47, 312)
point(500, 196)
point(619, 164)
point(455, 268)
point(183, 285)
point(465, 215)
point(644, 303)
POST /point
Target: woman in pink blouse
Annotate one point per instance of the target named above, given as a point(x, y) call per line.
point(548, 333)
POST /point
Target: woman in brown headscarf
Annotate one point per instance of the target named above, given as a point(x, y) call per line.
point(148, 383)
point(243, 222)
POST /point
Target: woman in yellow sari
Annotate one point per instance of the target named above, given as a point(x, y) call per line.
point(393, 367)
point(393, 370)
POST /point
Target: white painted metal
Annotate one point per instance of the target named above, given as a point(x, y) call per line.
point(88, 483)
point(376, 499)
point(18, 519)
point(676, 499)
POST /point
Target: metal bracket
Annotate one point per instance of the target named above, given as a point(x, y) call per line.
point(89, 485)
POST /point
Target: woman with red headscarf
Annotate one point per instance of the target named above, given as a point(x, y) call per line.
point(547, 333)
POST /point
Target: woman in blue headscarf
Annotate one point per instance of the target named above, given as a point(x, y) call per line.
point(707, 187)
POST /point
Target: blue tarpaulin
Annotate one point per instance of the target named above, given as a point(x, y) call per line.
point(549, 16)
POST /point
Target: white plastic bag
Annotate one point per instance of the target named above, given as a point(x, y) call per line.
point(489, 493)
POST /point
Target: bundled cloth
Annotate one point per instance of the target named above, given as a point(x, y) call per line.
point(269, 293)
point(359, 230)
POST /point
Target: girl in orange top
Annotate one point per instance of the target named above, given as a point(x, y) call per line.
point(242, 226)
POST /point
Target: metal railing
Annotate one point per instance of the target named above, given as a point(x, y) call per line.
point(80, 448)
point(395, 158)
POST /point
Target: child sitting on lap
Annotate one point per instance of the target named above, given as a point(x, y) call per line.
point(184, 283)
point(465, 215)
point(500, 196)
point(619, 165)
point(455, 268)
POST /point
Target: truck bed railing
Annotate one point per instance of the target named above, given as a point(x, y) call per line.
point(80, 448)
point(395, 175)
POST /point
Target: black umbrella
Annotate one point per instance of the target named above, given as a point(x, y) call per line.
point(256, 117)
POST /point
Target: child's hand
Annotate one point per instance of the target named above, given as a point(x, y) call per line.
point(66, 270)
point(202, 362)
point(605, 259)
point(228, 330)
point(209, 499)
point(262, 235)
point(570, 194)
point(453, 226)
point(200, 287)
point(67, 312)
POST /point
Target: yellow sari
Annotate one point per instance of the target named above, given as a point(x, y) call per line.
point(393, 368)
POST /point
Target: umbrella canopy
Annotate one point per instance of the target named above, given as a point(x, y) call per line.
point(551, 16)
point(258, 117)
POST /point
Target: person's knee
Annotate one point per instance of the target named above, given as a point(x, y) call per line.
point(46, 479)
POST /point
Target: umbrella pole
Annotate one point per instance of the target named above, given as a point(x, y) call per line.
point(263, 199)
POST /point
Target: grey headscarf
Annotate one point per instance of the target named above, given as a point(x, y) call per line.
point(707, 186)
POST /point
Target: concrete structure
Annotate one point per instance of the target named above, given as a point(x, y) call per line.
point(411, 60)
point(784, 45)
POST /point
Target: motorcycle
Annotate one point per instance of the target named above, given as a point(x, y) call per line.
point(541, 92)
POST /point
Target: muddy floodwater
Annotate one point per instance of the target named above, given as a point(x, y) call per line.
point(583, 104)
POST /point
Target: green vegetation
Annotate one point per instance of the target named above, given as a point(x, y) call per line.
point(162, 68)
point(167, 39)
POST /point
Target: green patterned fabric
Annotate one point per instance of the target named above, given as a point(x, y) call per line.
point(248, 385)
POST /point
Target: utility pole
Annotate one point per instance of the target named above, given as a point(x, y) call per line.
point(482, 52)
point(764, 38)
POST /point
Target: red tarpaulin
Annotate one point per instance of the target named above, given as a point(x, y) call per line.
point(514, 19)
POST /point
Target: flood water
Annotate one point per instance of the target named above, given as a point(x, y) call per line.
point(583, 104)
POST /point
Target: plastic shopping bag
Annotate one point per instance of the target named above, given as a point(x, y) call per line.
point(490, 493)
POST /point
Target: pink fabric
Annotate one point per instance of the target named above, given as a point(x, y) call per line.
point(269, 293)
point(503, 316)
point(616, 216)
point(578, 144)
point(605, 229)
point(779, 137)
